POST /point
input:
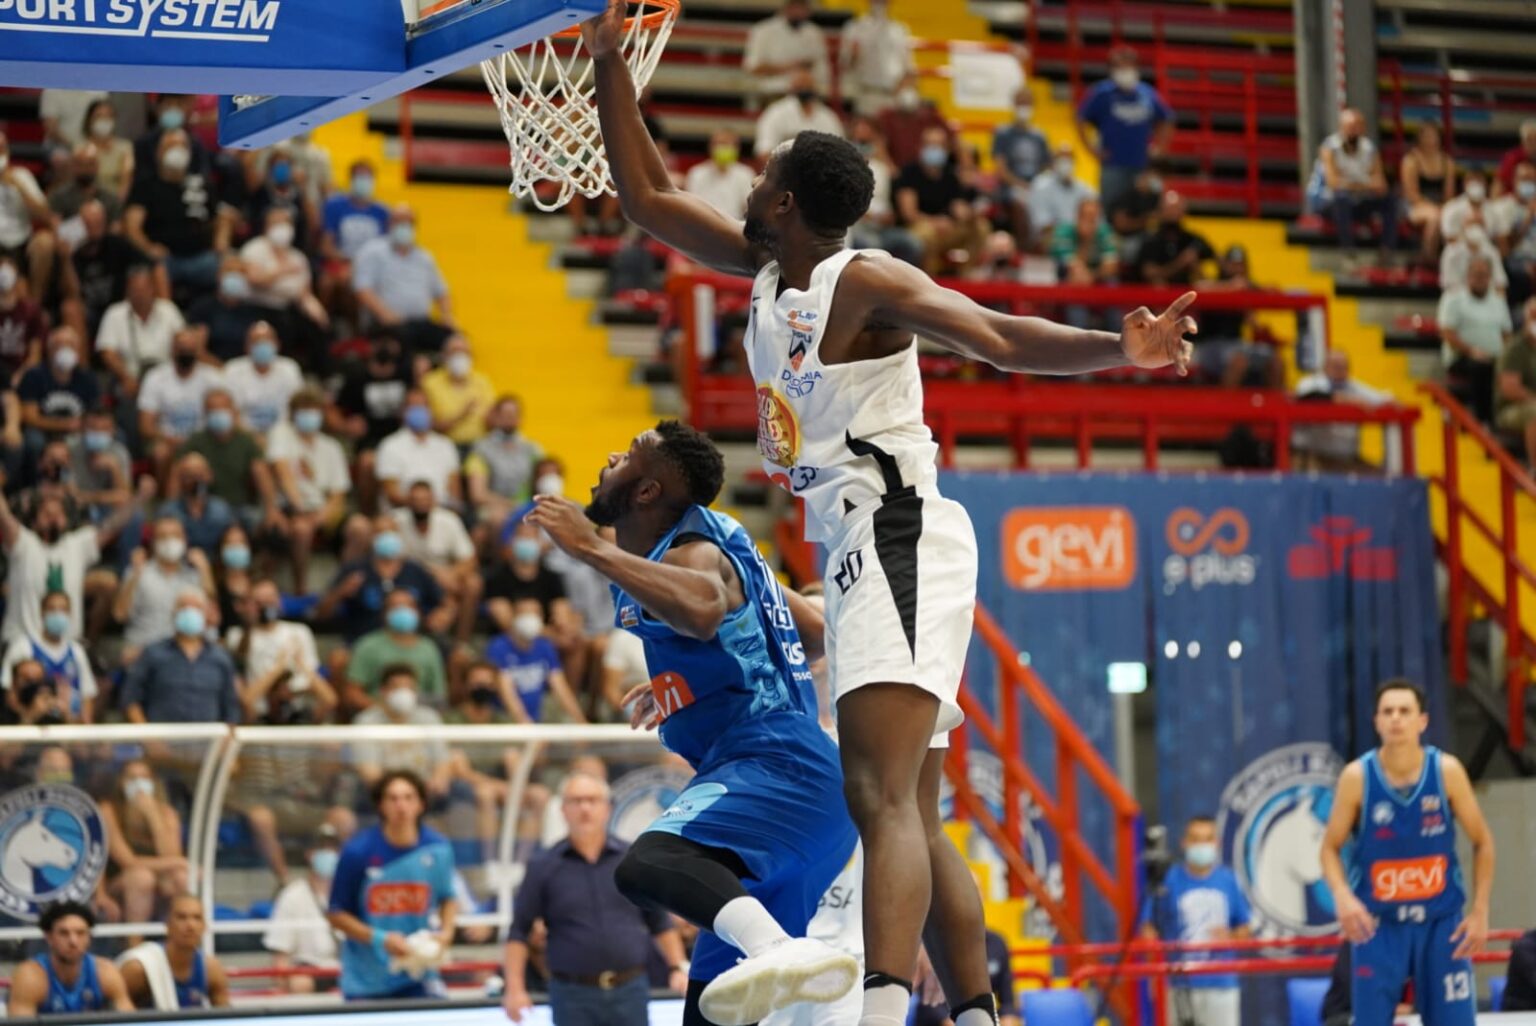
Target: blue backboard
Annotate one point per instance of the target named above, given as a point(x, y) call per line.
point(283, 66)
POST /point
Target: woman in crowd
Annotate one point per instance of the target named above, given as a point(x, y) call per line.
point(144, 843)
point(1428, 177)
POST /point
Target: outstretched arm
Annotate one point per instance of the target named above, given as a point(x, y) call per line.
point(891, 292)
point(650, 200)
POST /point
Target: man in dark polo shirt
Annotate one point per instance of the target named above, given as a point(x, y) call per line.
point(183, 679)
point(598, 942)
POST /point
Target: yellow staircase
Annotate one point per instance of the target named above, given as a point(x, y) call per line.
point(528, 335)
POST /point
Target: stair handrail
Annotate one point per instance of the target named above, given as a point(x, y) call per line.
point(1519, 644)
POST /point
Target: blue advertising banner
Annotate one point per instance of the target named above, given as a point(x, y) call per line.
point(1266, 610)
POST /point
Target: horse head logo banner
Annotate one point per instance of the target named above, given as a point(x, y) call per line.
point(1271, 826)
point(52, 848)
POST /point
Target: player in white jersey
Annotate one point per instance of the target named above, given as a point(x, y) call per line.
point(832, 347)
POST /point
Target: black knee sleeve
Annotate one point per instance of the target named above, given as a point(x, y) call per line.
point(985, 1002)
point(663, 871)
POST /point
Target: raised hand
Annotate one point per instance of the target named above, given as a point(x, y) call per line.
point(605, 33)
point(1154, 342)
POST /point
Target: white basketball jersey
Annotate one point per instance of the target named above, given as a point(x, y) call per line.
point(837, 436)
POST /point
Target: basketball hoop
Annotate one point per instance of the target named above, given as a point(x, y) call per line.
point(544, 96)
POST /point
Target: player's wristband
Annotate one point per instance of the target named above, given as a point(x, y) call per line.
point(378, 944)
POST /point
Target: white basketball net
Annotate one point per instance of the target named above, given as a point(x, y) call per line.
point(544, 95)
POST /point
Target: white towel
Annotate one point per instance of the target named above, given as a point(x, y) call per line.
point(157, 970)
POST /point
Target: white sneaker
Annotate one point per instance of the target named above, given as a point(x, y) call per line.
point(798, 970)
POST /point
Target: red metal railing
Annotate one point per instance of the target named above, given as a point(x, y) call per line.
point(1449, 94)
point(1465, 591)
point(1153, 20)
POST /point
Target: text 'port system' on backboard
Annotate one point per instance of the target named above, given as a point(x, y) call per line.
point(281, 66)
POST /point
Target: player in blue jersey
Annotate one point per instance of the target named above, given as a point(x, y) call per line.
point(749, 847)
point(199, 979)
point(1401, 900)
point(66, 979)
point(389, 881)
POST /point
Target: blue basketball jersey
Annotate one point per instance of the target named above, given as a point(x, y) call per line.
point(392, 890)
point(84, 996)
point(1404, 865)
point(720, 696)
point(64, 671)
point(193, 991)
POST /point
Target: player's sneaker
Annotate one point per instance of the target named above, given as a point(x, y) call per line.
point(798, 970)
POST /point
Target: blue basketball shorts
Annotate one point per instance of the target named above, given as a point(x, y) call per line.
point(1443, 987)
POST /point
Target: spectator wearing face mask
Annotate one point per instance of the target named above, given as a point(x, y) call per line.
point(529, 662)
point(903, 125)
point(1456, 259)
point(356, 596)
point(171, 115)
point(40, 703)
point(114, 154)
point(875, 53)
point(278, 271)
point(521, 574)
point(417, 453)
point(136, 333)
point(22, 324)
point(55, 395)
point(146, 603)
point(283, 182)
point(1132, 219)
point(1131, 125)
point(1349, 183)
point(173, 397)
point(369, 406)
point(54, 656)
point(272, 652)
point(1474, 327)
point(100, 466)
point(1473, 206)
point(783, 45)
point(48, 557)
point(458, 394)
point(1020, 152)
point(436, 539)
point(184, 678)
point(263, 381)
point(800, 110)
point(399, 642)
point(400, 704)
point(53, 480)
point(203, 514)
point(499, 468)
point(61, 112)
point(722, 181)
point(350, 220)
point(174, 216)
point(398, 285)
point(1172, 254)
point(936, 206)
point(291, 934)
point(228, 315)
point(1055, 195)
point(226, 462)
point(82, 185)
point(1520, 263)
point(310, 472)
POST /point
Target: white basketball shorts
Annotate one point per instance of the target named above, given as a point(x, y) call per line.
point(901, 599)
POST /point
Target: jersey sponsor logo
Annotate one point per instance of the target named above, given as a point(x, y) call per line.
point(1069, 548)
point(398, 898)
point(1433, 825)
point(220, 21)
point(1409, 879)
point(794, 387)
point(671, 693)
point(690, 804)
point(641, 796)
point(1381, 813)
point(1429, 803)
point(802, 329)
point(1207, 549)
point(1338, 548)
point(1271, 821)
point(629, 616)
point(52, 848)
point(778, 429)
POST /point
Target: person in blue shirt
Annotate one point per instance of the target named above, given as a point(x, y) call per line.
point(200, 979)
point(389, 882)
point(353, 218)
point(1401, 901)
point(529, 662)
point(1201, 903)
point(1132, 124)
point(748, 849)
point(66, 979)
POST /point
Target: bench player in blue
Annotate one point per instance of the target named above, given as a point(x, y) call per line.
point(1401, 900)
point(66, 979)
point(748, 849)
